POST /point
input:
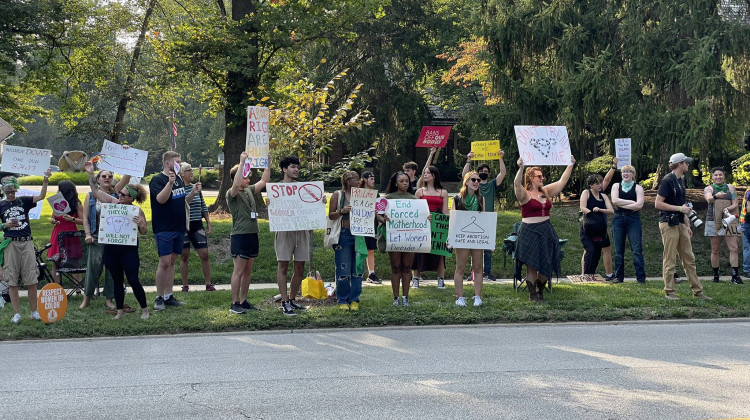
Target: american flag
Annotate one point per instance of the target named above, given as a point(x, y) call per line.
point(173, 134)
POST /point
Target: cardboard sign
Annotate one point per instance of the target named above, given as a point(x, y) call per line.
point(258, 136)
point(431, 136)
point(623, 152)
point(439, 234)
point(115, 158)
point(472, 229)
point(5, 129)
point(36, 212)
point(25, 160)
point(733, 228)
point(116, 225)
point(362, 217)
point(486, 150)
point(408, 229)
point(59, 205)
point(543, 145)
point(52, 303)
point(296, 206)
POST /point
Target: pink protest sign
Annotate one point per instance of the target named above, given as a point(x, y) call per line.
point(433, 136)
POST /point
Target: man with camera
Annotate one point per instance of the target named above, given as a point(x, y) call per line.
point(675, 228)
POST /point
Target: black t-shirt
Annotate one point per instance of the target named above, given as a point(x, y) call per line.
point(673, 191)
point(19, 210)
point(170, 216)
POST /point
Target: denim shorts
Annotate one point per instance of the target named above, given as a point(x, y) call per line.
point(169, 242)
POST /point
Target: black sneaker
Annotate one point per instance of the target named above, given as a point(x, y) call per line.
point(677, 279)
point(716, 278)
point(286, 308)
point(372, 278)
point(737, 280)
point(296, 306)
point(236, 308)
point(159, 303)
point(172, 301)
point(609, 277)
point(248, 306)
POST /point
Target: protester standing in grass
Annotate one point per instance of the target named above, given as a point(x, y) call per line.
point(244, 236)
point(595, 206)
point(196, 234)
point(745, 228)
point(67, 222)
point(469, 199)
point(431, 189)
point(627, 198)
point(348, 275)
point(368, 181)
point(722, 191)
point(537, 245)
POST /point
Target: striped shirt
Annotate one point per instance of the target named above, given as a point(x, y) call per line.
point(197, 206)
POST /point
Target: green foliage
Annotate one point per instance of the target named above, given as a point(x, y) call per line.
point(741, 170)
point(78, 178)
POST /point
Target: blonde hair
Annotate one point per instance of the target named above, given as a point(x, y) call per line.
point(169, 155)
point(462, 191)
point(346, 176)
point(629, 168)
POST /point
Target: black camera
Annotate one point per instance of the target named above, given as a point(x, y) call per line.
point(675, 219)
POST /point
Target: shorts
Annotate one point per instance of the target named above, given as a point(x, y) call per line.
point(20, 261)
point(371, 243)
point(168, 243)
point(195, 236)
point(710, 228)
point(295, 244)
point(244, 245)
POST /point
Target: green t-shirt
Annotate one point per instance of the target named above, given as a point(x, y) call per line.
point(488, 190)
point(398, 195)
point(241, 207)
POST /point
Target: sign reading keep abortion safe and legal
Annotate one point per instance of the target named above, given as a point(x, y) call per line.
point(472, 229)
point(296, 206)
point(408, 228)
point(362, 216)
point(543, 145)
point(25, 160)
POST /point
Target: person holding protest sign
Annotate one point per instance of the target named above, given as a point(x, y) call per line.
point(628, 198)
point(719, 190)
point(595, 206)
point(537, 245)
point(17, 250)
point(196, 233)
point(488, 189)
point(368, 181)
point(348, 275)
point(469, 199)
point(169, 222)
point(398, 188)
point(431, 189)
point(123, 260)
point(244, 236)
point(67, 222)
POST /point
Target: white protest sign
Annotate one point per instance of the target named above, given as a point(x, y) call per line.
point(258, 135)
point(115, 158)
point(623, 152)
point(36, 212)
point(25, 160)
point(116, 225)
point(543, 145)
point(362, 217)
point(472, 229)
point(59, 205)
point(408, 229)
point(296, 206)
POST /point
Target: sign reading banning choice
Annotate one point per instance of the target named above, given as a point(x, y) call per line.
point(543, 145)
point(472, 229)
point(408, 227)
point(296, 206)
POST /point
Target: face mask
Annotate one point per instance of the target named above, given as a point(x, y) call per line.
point(483, 176)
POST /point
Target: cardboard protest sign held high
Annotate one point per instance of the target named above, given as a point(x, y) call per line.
point(486, 150)
point(59, 205)
point(115, 158)
point(257, 138)
point(25, 160)
point(116, 225)
point(472, 229)
point(433, 136)
point(439, 234)
point(408, 229)
point(733, 227)
point(362, 217)
point(623, 152)
point(52, 303)
point(543, 145)
point(36, 212)
point(296, 206)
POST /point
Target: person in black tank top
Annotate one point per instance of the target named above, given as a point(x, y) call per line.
point(595, 207)
point(627, 198)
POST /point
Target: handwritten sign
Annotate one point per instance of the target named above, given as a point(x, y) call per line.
point(408, 229)
point(52, 303)
point(362, 217)
point(486, 150)
point(25, 160)
point(472, 229)
point(115, 158)
point(543, 145)
point(116, 225)
point(439, 234)
point(622, 152)
point(59, 205)
point(296, 206)
point(733, 228)
point(258, 135)
point(431, 136)
point(36, 212)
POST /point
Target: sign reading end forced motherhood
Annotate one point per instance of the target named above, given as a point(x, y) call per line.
point(115, 158)
point(543, 145)
point(25, 160)
point(296, 206)
point(408, 229)
point(116, 225)
point(472, 229)
point(258, 136)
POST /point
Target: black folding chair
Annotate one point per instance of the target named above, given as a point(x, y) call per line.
point(73, 259)
point(519, 282)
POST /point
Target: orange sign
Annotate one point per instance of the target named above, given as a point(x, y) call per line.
point(52, 303)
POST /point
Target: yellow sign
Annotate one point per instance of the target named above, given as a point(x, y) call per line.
point(486, 150)
point(52, 303)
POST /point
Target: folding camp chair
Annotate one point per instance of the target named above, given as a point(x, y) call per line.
point(73, 258)
point(519, 282)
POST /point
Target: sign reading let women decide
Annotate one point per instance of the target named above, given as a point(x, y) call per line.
point(408, 227)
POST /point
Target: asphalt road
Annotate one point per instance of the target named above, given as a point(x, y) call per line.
point(671, 370)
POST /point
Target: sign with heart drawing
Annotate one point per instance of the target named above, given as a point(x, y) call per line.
point(543, 145)
point(59, 205)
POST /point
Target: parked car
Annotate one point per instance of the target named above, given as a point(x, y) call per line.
point(54, 168)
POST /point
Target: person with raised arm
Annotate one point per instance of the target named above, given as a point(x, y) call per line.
point(196, 234)
point(628, 198)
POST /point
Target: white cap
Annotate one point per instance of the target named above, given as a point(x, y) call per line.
point(678, 158)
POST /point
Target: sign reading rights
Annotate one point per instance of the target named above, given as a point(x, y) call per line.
point(408, 229)
point(362, 217)
point(486, 150)
point(439, 233)
point(25, 160)
point(296, 206)
point(115, 158)
point(257, 139)
point(116, 224)
point(52, 303)
point(543, 145)
point(472, 229)
point(432, 136)
point(623, 152)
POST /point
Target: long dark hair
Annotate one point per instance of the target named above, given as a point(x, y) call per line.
point(436, 177)
point(68, 190)
point(392, 186)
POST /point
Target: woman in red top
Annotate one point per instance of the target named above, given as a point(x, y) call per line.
point(67, 222)
point(537, 243)
point(437, 201)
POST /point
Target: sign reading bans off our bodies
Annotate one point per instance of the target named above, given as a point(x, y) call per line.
point(408, 229)
point(258, 136)
point(296, 206)
point(543, 145)
point(472, 229)
point(362, 217)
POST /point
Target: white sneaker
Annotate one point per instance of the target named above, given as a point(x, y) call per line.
point(405, 301)
point(35, 315)
point(415, 282)
point(16, 318)
point(477, 301)
point(441, 283)
point(396, 301)
point(461, 301)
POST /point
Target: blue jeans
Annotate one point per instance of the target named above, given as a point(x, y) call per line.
point(348, 276)
point(746, 248)
point(628, 225)
point(487, 262)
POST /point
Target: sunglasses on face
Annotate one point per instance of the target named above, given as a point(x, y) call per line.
point(474, 179)
point(123, 195)
point(106, 176)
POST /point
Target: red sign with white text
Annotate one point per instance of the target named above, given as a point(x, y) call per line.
point(433, 136)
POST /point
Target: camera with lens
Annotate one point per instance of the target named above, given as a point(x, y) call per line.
point(693, 216)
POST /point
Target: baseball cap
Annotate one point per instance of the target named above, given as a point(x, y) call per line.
point(678, 158)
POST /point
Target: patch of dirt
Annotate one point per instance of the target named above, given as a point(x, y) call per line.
point(221, 250)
